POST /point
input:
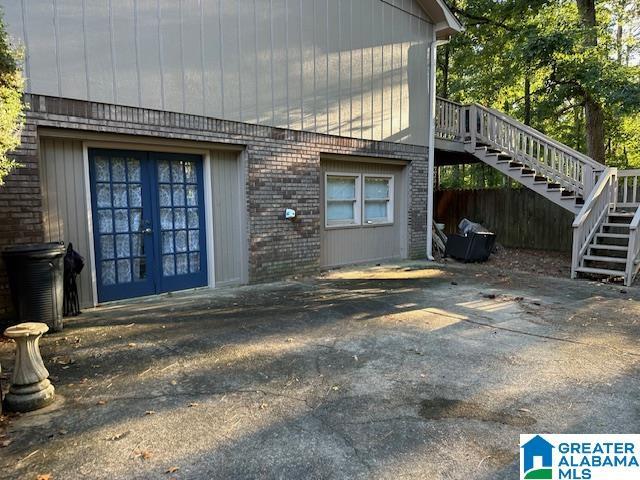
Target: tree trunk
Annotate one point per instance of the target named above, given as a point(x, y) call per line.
point(594, 123)
point(445, 72)
point(594, 117)
point(527, 101)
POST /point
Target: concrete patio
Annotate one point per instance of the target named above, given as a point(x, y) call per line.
point(413, 370)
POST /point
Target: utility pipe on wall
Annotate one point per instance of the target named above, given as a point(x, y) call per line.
point(432, 140)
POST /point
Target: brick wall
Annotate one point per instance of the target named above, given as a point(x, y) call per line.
point(283, 170)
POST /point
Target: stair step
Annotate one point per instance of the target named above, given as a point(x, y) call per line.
point(503, 156)
point(600, 246)
point(515, 165)
point(616, 225)
point(612, 235)
point(621, 214)
point(493, 150)
point(553, 186)
point(528, 172)
point(601, 271)
point(599, 258)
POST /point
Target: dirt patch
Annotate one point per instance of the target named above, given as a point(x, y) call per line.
point(444, 408)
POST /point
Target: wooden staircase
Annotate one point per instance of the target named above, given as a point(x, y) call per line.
point(606, 240)
point(505, 163)
point(607, 252)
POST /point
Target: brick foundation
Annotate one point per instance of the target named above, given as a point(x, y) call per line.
point(283, 170)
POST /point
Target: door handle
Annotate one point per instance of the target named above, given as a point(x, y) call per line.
point(147, 230)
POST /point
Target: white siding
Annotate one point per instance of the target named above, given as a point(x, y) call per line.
point(347, 67)
point(64, 203)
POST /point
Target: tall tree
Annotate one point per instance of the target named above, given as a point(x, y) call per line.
point(11, 106)
point(553, 64)
point(593, 110)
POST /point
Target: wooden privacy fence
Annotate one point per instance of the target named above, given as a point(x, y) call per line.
point(519, 217)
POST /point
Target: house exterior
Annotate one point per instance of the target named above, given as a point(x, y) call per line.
point(165, 139)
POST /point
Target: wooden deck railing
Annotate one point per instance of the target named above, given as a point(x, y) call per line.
point(628, 188)
point(587, 223)
point(449, 118)
point(475, 124)
point(633, 253)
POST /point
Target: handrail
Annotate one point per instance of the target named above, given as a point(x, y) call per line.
point(600, 201)
point(593, 197)
point(558, 162)
point(629, 187)
point(541, 136)
point(633, 251)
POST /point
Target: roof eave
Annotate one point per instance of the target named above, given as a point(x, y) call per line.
point(445, 22)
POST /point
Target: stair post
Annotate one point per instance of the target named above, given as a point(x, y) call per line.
point(589, 179)
point(473, 125)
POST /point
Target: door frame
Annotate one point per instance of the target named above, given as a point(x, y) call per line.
point(150, 147)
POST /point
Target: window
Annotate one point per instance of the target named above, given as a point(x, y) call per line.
point(343, 200)
point(378, 206)
point(354, 199)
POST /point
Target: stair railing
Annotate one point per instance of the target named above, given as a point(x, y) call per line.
point(628, 188)
point(449, 119)
point(571, 169)
point(633, 252)
point(475, 124)
point(629, 198)
point(601, 200)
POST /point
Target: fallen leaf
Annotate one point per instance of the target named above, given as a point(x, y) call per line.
point(335, 388)
point(44, 476)
point(525, 410)
point(5, 443)
point(132, 344)
point(150, 412)
point(101, 402)
point(144, 455)
point(172, 469)
point(119, 436)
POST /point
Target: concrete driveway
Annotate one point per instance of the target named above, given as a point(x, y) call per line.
point(413, 371)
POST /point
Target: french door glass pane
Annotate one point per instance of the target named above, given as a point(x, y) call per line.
point(180, 226)
point(118, 188)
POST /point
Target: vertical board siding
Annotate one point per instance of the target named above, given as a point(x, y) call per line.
point(342, 246)
point(520, 218)
point(356, 68)
point(64, 203)
point(227, 217)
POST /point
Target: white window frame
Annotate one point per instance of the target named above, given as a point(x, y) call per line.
point(390, 200)
point(357, 201)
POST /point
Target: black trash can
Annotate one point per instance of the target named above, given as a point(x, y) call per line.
point(36, 279)
point(474, 247)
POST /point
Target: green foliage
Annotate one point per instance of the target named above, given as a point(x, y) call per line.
point(11, 106)
point(508, 41)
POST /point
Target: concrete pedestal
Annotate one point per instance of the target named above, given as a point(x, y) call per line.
point(30, 386)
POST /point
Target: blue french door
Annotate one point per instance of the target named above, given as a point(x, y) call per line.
point(148, 222)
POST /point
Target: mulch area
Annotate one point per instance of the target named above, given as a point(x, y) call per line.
point(525, 260)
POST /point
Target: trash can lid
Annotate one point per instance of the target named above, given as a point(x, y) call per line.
point(50, 247)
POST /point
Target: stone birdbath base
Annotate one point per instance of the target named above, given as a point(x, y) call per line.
point(30, 386)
